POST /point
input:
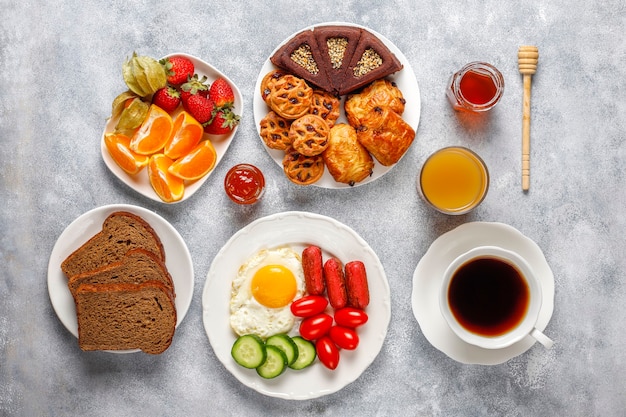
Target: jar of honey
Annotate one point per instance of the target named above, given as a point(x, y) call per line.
point(476, 87)
point(453, 180)
point(244, 184)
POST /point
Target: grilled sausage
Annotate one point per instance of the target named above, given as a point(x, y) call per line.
point(335, 283)
point(356, 285)
point(313, 270)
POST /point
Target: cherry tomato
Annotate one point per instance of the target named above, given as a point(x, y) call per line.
point(314, 327)
point(309, 305)
point(344, 337)
point(327, 352)
point(350, 317)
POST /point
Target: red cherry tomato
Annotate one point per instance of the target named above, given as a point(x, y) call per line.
point(314, 327)
point(309, 305)
point(344, 337)
point(350, 317)
point(327, 352)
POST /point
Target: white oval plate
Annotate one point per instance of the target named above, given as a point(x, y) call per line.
point(405, 79)
point(296, 229)
point(177, 260)
point(140, 182)
point(429, 275)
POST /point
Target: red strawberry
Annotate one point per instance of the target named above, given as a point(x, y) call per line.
point(222, 94)
point(178, 69)
point(223, 122)
point(194, 86)
point(166, 98)
point(201, 108)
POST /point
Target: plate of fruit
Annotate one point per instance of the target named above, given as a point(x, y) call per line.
point(296, 305)
point(171, 128)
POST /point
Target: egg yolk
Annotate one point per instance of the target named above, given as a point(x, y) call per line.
point(273, 286)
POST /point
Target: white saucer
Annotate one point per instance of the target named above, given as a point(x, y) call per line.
point(429, 273)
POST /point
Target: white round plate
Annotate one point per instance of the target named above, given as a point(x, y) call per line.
point(405, 80)
point(140, 181)
point(298, 230)
point(429, 275)
point(177, 260)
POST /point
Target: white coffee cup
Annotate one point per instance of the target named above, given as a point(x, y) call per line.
point(490, 297)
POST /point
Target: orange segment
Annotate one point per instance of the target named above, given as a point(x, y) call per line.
point(196, 164)
point(118, 146)
point(166, 185)
point(186, 134)
point(153, 133)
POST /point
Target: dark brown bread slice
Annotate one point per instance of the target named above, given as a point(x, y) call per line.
point(329, 40)
point(137, 266)
point(121, 232)
point(301, 57)
point(390, 64)
point(125, 316)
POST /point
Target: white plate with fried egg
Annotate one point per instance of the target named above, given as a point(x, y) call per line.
point(405, 80)
point(278, 237)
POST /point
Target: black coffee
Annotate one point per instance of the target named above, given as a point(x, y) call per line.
point(488, 296)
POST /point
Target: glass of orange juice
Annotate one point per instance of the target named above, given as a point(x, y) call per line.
point(453, 180)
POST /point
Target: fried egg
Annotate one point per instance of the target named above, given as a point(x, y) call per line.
point(263, 290)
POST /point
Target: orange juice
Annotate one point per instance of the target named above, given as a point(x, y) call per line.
point(454, 180)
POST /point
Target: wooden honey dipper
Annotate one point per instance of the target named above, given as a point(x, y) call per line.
point(527, 57)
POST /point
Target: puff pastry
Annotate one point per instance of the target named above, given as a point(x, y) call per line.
point(302, 169)
point(309, 135)
point(275, 131)
point(346, 159)
point(326, 106)
point(268, 82)
point(290, 97)
point(380, 93)
point(385, 135)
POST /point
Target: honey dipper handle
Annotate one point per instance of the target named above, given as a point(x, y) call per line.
point(526, 134)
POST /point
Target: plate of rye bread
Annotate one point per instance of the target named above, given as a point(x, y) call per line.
point(354, 79)
point(121, 279)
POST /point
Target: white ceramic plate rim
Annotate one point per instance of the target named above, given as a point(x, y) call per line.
point(140, 182)
point(405, 79)
point(177, 259)
point(296, 229)
point(428, 276)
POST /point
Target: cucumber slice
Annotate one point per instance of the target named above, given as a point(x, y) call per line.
point(249, 351)
point(275, 363)
point(284, 343)
point(306, 353)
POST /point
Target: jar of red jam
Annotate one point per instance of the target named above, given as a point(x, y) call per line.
point(476, 87)
point(244, 184)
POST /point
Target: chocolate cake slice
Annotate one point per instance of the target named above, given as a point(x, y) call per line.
point(371, 60)
point(301, 57)
point(336, 45)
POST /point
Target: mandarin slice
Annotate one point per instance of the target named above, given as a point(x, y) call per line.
point(153, 133)
point(196, 164)
point(118, 146)
point(168, 187)
point(186, 134)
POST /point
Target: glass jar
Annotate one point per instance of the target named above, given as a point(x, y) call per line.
point(476, 87)
point(244, 184)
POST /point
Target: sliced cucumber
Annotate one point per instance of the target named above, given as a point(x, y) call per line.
point(306, 353)
point(284, 343)
point(249, 351)
point(275, 363)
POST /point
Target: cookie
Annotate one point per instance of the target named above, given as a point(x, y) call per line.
point(302, 169)
point(269, 80)
point(309, 135)
point(275, 131)
point(290, 97)
point(326, 106)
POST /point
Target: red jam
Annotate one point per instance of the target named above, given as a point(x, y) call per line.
point(244, 184)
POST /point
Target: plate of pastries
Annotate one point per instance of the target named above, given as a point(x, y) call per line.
point(336, 105)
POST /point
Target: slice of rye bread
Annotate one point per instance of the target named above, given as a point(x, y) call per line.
point(125, 316)
point(121, 232)
point(137, 266)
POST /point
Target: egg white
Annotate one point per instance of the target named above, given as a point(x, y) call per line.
point(246, 314)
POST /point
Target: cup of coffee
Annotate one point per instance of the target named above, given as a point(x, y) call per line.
point(490, 297)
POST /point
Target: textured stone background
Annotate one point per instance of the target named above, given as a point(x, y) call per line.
point(60, 69)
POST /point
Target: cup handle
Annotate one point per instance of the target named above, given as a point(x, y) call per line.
point(542, 338)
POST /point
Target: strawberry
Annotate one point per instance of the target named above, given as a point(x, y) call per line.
point(193, 86)
point(200, 107)
point(223, 122)
point(222, 94)
point(178, 69)
point(166, 98)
